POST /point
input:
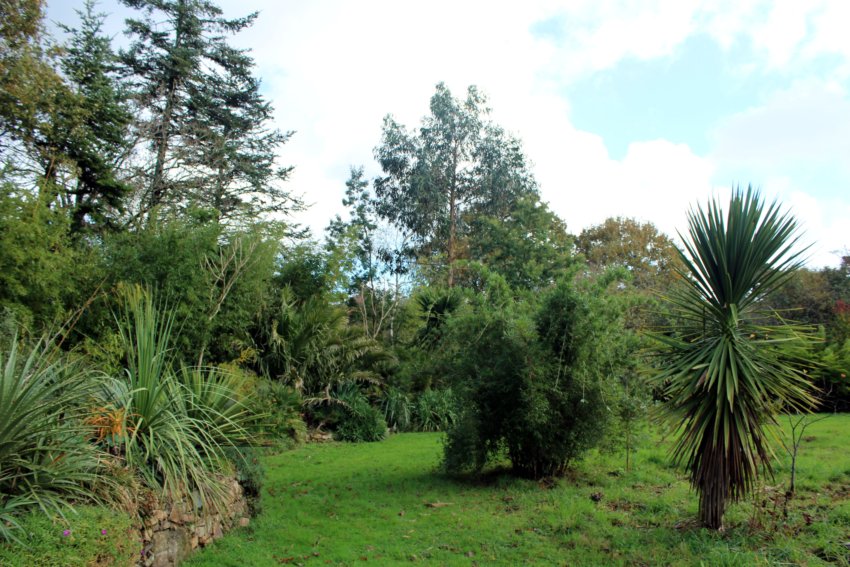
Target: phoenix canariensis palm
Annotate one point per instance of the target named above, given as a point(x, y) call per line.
point(724, 361)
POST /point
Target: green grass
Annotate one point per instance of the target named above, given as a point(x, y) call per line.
point(343, 504)
point(90, 536)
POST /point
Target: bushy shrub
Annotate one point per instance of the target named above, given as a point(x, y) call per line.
point(362, 423)
point(831, 376)
point(90, 536)
point(37, 259)
point(215, 280)
point(280, 406)
point(250, 474)
point(534, 387)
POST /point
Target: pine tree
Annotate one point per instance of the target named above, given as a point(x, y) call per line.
point(30, 91)
point(203, 118)
point(98, 139)
point(233, 151)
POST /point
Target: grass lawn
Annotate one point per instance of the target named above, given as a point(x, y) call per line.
point(386, 504)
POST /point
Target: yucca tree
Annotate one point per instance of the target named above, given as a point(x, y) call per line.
point(724, 362)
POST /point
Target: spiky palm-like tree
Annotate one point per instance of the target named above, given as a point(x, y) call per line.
point(725, 366)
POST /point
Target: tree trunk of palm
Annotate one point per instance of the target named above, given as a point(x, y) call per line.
point(713, 482)
point(712, 505)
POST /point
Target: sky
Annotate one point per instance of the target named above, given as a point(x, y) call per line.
point(639, 109)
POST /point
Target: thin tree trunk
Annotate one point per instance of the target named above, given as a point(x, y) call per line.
point(158, 179)
point(163, 135)
point(793, 486)
point(452, 219)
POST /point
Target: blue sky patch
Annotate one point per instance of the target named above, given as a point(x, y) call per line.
point(679, 98)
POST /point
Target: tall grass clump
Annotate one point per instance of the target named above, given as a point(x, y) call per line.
point(46, 461)
point(397, 408)
point(174, 422)
point(434, 410)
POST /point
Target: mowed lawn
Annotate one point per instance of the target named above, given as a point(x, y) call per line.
point(387, 504)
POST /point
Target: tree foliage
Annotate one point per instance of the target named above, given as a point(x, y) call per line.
point(204, 121)
point(458, 166)
point(648, 255)
point(534, 381)
point(98, 140)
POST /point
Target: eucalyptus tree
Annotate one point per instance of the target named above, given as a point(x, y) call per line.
point(726, 363)
point(458, 166)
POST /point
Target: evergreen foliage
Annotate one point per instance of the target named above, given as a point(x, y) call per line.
point(98, 140)
point(461, 175)
point(205, 123)
point(535, 382)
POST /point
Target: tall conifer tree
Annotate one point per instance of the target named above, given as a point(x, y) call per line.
point(203, 118)
point(98, 139)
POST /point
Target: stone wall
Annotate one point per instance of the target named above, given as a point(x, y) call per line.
point(171, 534)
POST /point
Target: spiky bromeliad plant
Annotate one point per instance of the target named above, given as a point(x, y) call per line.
point(724, 362)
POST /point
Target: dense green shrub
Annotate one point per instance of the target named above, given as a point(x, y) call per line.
point(280, 406)
point(830, 376)
point(36, 258)
point(362, 423)
point(90, 536)
point(534, 387)
point(250, 474)
point(215, 279)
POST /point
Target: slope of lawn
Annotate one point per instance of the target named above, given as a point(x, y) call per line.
point(385, 503)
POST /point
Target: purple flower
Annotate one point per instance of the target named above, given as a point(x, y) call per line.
point(102, 532)
point(66, 533)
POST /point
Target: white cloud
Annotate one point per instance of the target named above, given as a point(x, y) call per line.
point(781, 34)
point(656, 181)
point(807, 123)
point(822, 222)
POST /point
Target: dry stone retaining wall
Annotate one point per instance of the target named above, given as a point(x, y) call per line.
point(170, 535)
